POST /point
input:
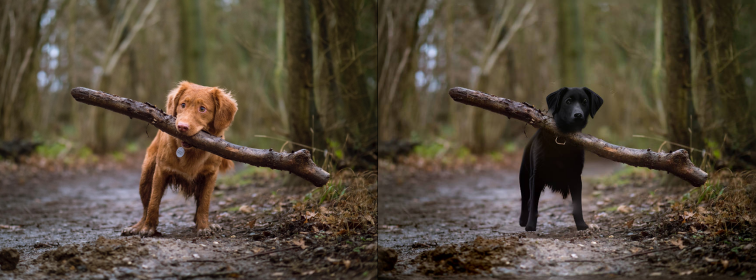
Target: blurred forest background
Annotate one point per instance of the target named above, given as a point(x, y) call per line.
point(302, 72)
point(669, 72)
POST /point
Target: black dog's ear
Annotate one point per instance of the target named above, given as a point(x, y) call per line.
point(594, 101)
point(553, 99)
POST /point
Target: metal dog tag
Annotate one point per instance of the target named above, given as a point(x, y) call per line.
point(180, 152)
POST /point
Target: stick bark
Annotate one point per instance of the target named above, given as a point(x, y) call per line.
point(677, 162)
point(299, 162)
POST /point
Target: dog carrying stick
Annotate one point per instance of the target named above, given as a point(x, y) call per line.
point(299, 162)
point(677, 162)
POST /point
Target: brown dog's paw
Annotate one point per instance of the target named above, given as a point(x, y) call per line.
point(149, 232)
point(132, 230)
point(129, 231)
point(208, 231)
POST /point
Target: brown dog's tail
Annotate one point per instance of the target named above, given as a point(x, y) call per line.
point(226, 165)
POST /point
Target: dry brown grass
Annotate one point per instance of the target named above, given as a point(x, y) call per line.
point(725, 202)
point(349, 202)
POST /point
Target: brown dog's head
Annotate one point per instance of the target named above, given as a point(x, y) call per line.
point(199, 107)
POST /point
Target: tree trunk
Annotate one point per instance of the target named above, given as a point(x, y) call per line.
point(398, 35)
point(570, 41)
point(19, 61)
point(739, 125)
point(304, 121)
point(361, 114)
point(682, 122)
point(192, 42)
point(677, 162)
point(329, 90)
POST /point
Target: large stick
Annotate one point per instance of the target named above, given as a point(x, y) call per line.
point(676, 162)
point(298, 162)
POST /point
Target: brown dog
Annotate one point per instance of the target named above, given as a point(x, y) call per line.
point(196, 108)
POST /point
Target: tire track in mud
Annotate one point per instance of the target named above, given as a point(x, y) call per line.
point(428, 211)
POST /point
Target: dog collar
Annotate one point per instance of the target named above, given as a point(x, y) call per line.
point(555, 140)
point(180, 152)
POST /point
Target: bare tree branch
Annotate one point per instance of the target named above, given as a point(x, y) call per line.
point(299, 162)
point(125, 44)
point(510, 33)
point(677, 162)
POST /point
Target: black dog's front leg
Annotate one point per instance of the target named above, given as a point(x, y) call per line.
point(536, 186)
point(576, 188)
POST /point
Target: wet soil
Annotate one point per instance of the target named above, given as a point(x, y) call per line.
point(67, 226)
point(460, 223)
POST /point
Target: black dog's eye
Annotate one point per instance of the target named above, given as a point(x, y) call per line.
point(585, 101)
point(568, 101)
point(183, 105)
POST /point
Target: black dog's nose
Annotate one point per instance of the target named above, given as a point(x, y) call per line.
point(578, 115)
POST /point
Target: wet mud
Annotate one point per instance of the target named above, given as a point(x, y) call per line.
point(68, 226)
point(460, 224)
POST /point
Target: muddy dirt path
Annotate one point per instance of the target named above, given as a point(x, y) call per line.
point(69, 227)
point(431, 213)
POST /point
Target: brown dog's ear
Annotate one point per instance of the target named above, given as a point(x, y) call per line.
point(225, 109)
point(173, 98)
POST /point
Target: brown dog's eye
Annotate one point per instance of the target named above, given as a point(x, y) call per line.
point(183, 105)
point(202, 109)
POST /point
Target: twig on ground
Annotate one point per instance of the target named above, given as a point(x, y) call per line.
point(625, 257)
point(246, 257)
point(190, 276)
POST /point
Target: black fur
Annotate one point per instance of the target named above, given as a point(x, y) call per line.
point(546, 162)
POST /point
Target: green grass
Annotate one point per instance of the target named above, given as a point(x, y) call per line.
point(330, 192)
point(706, 193)
point(51, 150)
point(245, 176)
point(428, 150)
point(232, 209)
point(118, 156)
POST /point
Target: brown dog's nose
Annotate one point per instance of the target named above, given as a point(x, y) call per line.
point(182, 126)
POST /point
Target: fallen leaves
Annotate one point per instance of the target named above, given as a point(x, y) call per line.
point(629, 223)
point(624, 209)
point(246, 209)
point(677, 242)
point(299, 242)
point(309, 215)
point(251, 223)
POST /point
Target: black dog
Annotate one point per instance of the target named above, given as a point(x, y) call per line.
point(549, 160)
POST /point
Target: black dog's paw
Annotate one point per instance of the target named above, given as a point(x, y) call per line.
point(523, 220)
point(582, 226)
point(530, 228)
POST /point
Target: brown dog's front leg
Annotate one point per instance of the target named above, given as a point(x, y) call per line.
point(153, 208)
point(203, 196)
point(145, 191)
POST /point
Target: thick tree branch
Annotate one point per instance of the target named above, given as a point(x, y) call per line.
point(676, 162)
point(298, 162)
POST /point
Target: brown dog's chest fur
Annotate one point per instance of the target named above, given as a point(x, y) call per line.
point(189, 173)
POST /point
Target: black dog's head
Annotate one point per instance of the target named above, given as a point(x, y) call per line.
point(571, 106)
